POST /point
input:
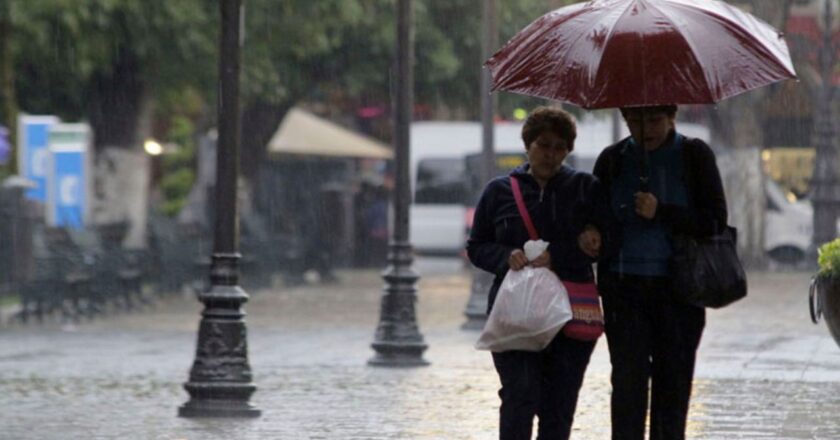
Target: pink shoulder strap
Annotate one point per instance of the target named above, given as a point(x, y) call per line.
point(523, 212)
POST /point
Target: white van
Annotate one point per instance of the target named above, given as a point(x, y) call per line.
point(441, 185)
point(444, 173)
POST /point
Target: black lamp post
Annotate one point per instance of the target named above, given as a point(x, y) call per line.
point(398, 342)
point(825, 181)
point(476, 310)
point(220, 382)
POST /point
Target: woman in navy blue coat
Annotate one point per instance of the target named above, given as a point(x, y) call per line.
point(565, 207)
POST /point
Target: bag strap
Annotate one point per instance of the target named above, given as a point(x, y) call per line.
point(523, 212)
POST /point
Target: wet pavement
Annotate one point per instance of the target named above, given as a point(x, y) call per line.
point(764, 371)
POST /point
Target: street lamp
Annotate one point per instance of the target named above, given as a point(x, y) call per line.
point(152, 147)
point(476, 310)
point(220, 382)
point(398, 342)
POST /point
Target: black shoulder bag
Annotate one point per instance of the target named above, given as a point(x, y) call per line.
point(706, 272)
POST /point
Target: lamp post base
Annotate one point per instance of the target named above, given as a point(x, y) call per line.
point(218, 408)
point(219, 399)
point(395, 354)
point(220, 383)
point(398, 342)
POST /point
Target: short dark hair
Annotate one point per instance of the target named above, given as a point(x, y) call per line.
point(670, 110)
point(554, 119)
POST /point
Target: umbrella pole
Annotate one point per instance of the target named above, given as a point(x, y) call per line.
point(644, 172)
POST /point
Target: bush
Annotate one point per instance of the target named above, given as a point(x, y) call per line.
point(178, 166)
point(177, 184)
point(829, 259)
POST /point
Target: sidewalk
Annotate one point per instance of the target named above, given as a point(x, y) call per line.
point(764, 371)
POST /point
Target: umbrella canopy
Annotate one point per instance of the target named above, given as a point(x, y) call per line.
point(303, 133)
point(623, 53)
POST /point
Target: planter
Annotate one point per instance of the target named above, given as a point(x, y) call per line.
point(824, 301)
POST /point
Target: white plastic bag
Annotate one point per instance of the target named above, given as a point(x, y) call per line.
point(530, 308)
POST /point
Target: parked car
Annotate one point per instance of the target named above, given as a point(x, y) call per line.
point(788, 225)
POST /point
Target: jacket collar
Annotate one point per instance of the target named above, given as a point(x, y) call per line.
point(629, 144)
point(521, 172)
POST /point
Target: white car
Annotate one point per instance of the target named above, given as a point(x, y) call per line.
point(788, 225)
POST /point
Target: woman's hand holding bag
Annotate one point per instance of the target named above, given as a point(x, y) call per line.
point(530, 308)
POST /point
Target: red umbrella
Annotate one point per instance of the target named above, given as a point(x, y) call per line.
point(621, 53)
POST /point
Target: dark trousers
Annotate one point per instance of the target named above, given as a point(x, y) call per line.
point(545, 384)
point(652, 338)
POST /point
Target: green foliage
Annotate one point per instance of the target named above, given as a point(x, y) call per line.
point(70, 53)
point(343, 50)
point(302, 49)
point(175, 186)
point(829, 259)
point(178, 165)
point(449, 51)
point(65, 48)
point(294, 49)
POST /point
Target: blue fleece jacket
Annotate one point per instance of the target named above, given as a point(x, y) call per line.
point(646, 248)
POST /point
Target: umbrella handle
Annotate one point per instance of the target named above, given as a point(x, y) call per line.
point(644, 183)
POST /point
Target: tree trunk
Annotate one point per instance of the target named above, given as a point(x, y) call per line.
point(115, 103)
point(259, 122)
point(120, 111)
point(121, 191)
point(737, 139)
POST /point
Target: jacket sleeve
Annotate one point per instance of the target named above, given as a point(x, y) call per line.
point(602, 217)
point(602, 165)
point(482, 248)
point(592, 209)
point(707, 212)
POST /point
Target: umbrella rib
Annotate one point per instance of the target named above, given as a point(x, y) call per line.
point(737, 12)
point(766, 51)
point(547, 94)
point(687, 41)
point(593, 78)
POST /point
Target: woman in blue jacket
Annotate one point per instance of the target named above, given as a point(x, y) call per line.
point(563, 204)
point(652, 335)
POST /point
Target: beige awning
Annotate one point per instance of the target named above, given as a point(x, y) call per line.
point(306, 134)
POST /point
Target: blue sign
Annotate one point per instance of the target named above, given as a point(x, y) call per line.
point(34, 153)
point(68, 197)
point(69, 188)
point(5, 147)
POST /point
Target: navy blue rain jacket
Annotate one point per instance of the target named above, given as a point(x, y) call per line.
point(569, 201)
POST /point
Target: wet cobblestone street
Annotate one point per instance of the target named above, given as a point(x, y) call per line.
point(764, 371)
